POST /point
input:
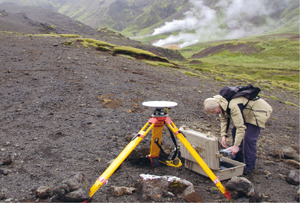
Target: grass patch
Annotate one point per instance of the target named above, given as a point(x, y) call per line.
point(277, 99)
point(158, 63)
point(101, 45)
point(123, 50)
point(270, 60)
point(291, 104)
point(132, 50)
point(69, 35)
point(55, 35)
point(191, 73)
point(138, 53)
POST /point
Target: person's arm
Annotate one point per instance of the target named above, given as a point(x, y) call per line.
point(223, 142)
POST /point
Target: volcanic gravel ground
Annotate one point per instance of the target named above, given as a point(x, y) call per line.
point(67, 109)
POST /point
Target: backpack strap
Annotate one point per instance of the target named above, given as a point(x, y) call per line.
point(228, 124)
point(241, 109)
point(228, 119)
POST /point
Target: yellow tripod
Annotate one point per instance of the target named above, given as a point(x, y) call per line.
point(156, 123)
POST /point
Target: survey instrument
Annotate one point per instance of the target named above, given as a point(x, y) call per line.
point(156, 123)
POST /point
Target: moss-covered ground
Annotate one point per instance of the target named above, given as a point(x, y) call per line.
point(270, 61)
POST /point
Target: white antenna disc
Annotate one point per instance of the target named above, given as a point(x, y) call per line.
point(160, 104)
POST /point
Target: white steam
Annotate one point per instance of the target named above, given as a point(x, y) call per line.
point(229, 19)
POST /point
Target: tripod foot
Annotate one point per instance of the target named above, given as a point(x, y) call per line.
point(227, 195)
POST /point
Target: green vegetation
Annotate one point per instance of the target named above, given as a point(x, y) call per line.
point(128, 51)
point(68, 43)
point(69, 35)
point(55, 35)
point(272, 61)
point(118, 50)
point(290, 19)
point(291, 104)
point(86, 42)
point(152, 16)
point(277, 99)
point(132, 50)
point(162, 64)
point(151, 58)
point(138, 53)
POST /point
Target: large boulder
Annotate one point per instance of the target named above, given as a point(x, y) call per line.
point(240, 187)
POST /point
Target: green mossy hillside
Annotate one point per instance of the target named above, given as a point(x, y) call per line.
point(272, 61)
point(112, 48)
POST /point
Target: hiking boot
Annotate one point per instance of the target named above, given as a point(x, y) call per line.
point(247, 171)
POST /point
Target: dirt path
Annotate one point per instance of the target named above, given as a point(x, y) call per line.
point(66, 109)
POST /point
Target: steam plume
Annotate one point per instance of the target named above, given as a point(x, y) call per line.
point(234, 19)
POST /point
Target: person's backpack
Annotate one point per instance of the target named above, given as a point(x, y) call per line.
point(250, 92)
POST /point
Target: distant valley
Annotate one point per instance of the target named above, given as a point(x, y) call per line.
point(181, 22)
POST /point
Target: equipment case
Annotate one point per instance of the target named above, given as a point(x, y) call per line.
point(207, 147)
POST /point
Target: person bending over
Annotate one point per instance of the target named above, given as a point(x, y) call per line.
point(248, 117)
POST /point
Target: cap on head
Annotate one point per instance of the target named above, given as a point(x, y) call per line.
point(210, 104)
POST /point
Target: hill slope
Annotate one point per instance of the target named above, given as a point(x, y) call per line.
point(186, 19)
point(40, 20)
point(119, 15)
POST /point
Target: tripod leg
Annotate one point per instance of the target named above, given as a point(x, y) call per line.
point(199, 160)
point(120, 158)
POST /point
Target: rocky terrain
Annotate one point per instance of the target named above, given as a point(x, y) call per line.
point(67, 109)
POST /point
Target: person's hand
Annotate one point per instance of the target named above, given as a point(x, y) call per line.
point(224, 144)
point(234, 149)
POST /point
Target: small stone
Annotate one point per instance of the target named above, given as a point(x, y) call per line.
point(9, 200)
point(286, 153)
point(267, 173)
point(293, 178)
point(2, 194)
point(7, 161)
point(119, 191)
point(193, 197)
point(44, 192)
point(129, 137)
point(4, 171)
